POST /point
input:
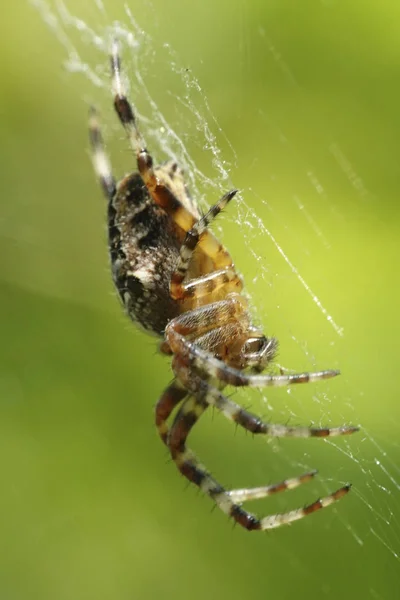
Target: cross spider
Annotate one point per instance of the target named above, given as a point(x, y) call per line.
point(176, 280)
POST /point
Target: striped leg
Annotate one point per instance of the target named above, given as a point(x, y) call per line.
point(223, 329)
point(160, 193)
point(192, 356)
point(214, 280)
point(246, 494)
point(200, 287)
point(100, 159)
point(195, 322)
point(274, 521)
point(225, 321)
point(127, 118)
point(188, 465)
point(227, 501)
point(171, 397)
point(234, 412)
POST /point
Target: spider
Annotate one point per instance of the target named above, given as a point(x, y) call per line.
point(179, 282)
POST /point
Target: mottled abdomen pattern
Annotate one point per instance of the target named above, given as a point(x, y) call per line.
point(144, 248)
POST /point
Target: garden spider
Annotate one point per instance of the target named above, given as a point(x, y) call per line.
point(176, 280)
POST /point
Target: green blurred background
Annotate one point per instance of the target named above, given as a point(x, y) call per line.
point(306, 104)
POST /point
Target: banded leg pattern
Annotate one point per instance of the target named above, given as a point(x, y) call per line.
point(101, 162)
point(229, 501)
point(214, 368)
point(190, 243)
point(250, 422)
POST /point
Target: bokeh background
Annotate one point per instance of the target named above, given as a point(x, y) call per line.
point(301, 100)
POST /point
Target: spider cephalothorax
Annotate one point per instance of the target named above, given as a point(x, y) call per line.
point(176, 279)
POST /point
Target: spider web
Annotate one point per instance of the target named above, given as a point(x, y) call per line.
point(275, 256)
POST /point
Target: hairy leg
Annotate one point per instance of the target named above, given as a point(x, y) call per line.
point(226, 501)
point(161, 193)
point(100, 159)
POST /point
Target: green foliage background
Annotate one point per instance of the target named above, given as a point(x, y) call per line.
point(89, 505)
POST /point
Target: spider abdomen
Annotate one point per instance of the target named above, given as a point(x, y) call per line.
point(144, 248)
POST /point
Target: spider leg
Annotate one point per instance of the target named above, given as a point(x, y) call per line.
point(100, 159)
point(204, 285)
point(190, 468)
point(273, 521)
point(214, 280)
point(188, 465)
point(247, 420)
point(151, 177)
point(127, 117)
point(170, 398)
point(195, 322)
point(191, 356)
point(223, 329)
point(246, 494)
point(230, 314)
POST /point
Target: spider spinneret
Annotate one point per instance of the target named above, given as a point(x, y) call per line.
point(179, 282)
